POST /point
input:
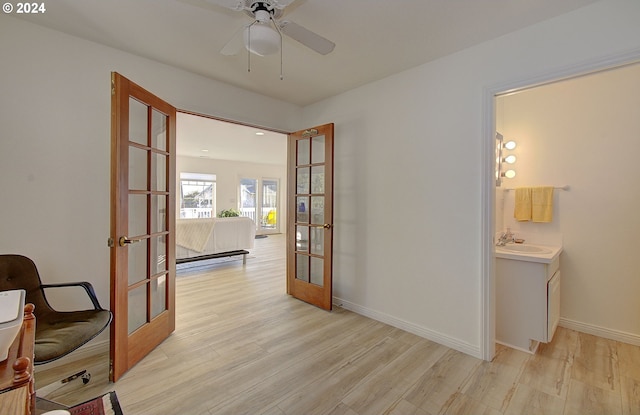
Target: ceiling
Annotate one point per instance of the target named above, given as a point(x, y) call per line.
point(374, 38)
point(207, 138)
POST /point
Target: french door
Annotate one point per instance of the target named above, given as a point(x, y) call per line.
point(143, 131)
point(310, 207)
point(259, 200)
point(269, 200)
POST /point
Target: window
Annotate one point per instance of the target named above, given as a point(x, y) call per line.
point(269, 204)
point(259, 201)
point(248, 190)
point(197, 195)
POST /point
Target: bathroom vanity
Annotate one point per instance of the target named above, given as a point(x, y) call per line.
point(527, 295)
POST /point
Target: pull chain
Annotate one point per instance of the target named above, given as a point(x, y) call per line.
point(249, 48)
point(275, 24)
point(281, 76)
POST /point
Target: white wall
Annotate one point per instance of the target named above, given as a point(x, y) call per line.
point(409, 167)
point(55, 142)
point(228, 174)
point(585, 133)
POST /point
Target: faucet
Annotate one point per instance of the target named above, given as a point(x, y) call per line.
point(506, 237)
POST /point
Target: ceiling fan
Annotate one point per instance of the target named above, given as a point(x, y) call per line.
point(264, 35)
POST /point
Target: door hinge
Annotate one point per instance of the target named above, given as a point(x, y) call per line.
point(110, 242)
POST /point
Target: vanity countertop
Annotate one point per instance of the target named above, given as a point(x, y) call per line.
point(545, 254)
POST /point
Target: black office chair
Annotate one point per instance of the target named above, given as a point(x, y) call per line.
point(58, 333)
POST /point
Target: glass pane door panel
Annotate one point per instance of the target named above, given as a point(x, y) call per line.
point(159, 172)
point(158, 254)
point(303, 180)
point(137, 253)
point(137, 308)
point(137, 168)
point(303, 151)
point(302, 238)
point(269, 204)
point(317, 271)
point(302, 267)
point(317, 210)
point(158, 130)
point(317, 149)
point(138, 122)
point(316, 241)
point(158, 213)
point(248, 200)
point(317, 179)
point(302, 210)
point(137, 215)
point(158, 296)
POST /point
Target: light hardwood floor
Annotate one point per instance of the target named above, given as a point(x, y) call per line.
point(242, 346)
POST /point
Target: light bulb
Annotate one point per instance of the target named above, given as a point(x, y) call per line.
point(261, 39)
point(510, 159)
point(510, 145)
point(510, 174)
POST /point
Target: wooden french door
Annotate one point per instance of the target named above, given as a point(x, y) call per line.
point(143, 131)
point(310, 224)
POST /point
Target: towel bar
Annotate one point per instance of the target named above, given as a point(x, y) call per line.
point(565, 187)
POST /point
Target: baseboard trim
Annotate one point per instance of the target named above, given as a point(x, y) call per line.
point(89, 350)
point(428, 334)
point(606, 333)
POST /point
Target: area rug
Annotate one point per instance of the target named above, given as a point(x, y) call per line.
point(102, 405)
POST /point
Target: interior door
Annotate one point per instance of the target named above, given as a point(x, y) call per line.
point(310, 224)
point(143, 131)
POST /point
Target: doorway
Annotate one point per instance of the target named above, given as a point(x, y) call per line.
point(233, 153)
point(580, 150)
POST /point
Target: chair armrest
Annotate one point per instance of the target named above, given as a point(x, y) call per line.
point(84, 284)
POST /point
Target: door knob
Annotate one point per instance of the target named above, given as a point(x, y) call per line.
point(124, 240)
point(327, 226)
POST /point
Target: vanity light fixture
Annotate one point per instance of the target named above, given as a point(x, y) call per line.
point(501, 146)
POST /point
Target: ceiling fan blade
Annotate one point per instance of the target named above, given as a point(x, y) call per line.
point(234, 45)
point(305, 36)
point(229, 4)
point(281, 4)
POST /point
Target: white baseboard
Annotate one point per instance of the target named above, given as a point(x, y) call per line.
point(432, 335)
point(89, 350)
point(606, 333)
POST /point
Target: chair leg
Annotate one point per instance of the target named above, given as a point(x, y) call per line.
point(45, 390)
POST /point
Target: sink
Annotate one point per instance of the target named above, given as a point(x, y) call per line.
point(525, 249)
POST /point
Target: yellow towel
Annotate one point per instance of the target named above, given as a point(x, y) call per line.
point(522, 209)
point(542, 204)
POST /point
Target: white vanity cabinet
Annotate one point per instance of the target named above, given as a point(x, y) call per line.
point(527, 300)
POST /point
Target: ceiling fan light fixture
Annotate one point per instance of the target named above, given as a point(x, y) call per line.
point(261, 39)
